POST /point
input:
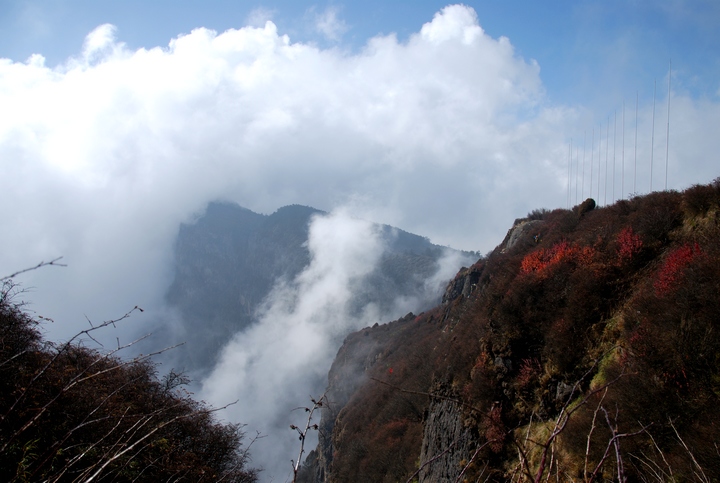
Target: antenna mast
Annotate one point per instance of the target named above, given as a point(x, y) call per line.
point(582, 188)
point(607, 150)
point(599, 158)
point(569, 197)
point(622, 183)
point(592, 152)
point(667, 139)
point(577, 171)
point(636, 129)
point(652, 138)
point(614, 150)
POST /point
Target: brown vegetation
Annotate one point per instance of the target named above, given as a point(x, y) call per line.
point(70, 413)
point(588, 351)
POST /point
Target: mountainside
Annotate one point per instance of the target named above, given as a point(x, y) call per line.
point(228, 261)
point(72, 413)
point(585, 347)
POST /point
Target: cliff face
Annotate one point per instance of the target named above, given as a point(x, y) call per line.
point(448, 442)
point(585, 346)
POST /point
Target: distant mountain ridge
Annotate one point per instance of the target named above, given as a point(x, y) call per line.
point(229, 259)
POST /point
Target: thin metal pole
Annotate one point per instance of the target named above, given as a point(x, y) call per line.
point(567, 193)
point(592, 153)
point(599, 159)
point(569, 198)
point(652, 138)
point(622, 194)
point(636, 130)
point(582, 189)
point(607, 150)
point(667, 139)
point(614, 150)
point(577, 172)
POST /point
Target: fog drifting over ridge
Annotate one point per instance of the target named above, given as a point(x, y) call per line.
point(282, 360)
point(447, 135)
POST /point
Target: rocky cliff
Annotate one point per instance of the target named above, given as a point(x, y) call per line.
point(584, 347)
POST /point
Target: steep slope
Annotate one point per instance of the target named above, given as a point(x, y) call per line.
point(584, 347)
point(228, 261)
point(71, 413)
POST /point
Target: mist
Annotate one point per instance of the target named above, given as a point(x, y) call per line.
point(282, 360)
point(448, 134)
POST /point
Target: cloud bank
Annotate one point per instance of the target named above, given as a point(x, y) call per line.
point(105, 155)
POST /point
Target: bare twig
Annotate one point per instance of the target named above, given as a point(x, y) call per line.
point(58, 353)
point(614, 442)
point(433, 459)
point(51, 263)
point(565, 414)
point(317, 404)
point(472, 458)
point(590, 433)
point(560, 424)
point(701, 475)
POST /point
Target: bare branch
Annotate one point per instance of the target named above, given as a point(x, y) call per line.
point(433, 459)
point(590, 433)
point(701, 475)
point(317, 404)
point(614, 442)
point(51, 263)
point(563, 418)
point(472, 458)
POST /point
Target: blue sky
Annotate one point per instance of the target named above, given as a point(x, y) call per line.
point(586, 49)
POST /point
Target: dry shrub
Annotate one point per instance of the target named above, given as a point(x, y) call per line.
point(699, 199)
point(70, 412)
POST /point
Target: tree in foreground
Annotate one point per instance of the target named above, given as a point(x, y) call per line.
point(70, 413)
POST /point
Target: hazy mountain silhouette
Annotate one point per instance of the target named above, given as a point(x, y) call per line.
point(229, 259)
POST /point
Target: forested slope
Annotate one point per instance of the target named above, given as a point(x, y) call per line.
point(585, 347)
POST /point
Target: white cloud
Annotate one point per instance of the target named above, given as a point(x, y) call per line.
point(330, 25)
point(99, 41)
point(258, 17)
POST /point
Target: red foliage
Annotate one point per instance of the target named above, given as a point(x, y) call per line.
point(530, 370)
point(495, 431)
point(638, 341)
point(671, 272)
point(629, 243)
point(391, 433)
point(676, 378)
point(540, 260)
